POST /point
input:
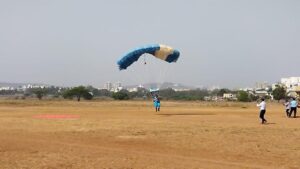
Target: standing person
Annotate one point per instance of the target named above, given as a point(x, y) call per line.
point(294, 105)
point(287, 105)
point(157, 104)
point(156, 101)
point(262, 107)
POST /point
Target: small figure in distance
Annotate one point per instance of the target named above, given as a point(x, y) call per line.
point(158, 104)
point(287, 105)
point(262, 107)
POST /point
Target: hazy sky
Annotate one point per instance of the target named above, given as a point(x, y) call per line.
point(230, 43)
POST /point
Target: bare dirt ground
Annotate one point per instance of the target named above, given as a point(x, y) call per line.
point(130, 135)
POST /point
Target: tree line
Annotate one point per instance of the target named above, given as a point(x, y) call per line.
point(88, 93)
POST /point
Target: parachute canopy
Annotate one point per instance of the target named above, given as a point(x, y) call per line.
point(162, 52)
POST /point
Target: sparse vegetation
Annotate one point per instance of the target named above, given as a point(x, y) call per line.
point(243, 96)
point(279, 93)
point(121, 95)
point(78, 92)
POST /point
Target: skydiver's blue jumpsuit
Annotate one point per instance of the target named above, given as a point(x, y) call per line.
point(156, 102)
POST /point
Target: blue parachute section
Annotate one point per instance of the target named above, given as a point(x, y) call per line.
point(162, 52)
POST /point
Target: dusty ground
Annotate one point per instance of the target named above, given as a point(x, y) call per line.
point(130, 135)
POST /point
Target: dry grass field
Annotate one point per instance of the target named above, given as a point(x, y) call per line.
point(131, 135)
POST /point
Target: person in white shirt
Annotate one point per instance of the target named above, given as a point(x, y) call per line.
point(287, 107)
point(262, 108)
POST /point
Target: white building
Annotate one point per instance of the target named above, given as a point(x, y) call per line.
point(261, 85)
point(180, 89)
point(117, 85)
point(229, 96)
point(6, 88)
point(275, 85)
point(134, 89)
point(248, 89)
point(108, 86)
point(295, 92)
point(261, 93)
point(290, 82)
point(214, 88)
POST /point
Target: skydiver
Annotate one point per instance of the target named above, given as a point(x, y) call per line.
point(156, 102)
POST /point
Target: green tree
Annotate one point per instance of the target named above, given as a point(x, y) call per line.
point(253, 97)
point(243, 96)
point(140, 93)
point(88, 96)
point(39, 92)
point(101, 92)
point(279, 93)
point(121, 95)
point(78, 92)
point(214, 92)
point(167, 93)
point(222, 91)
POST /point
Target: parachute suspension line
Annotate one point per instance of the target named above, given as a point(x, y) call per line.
point(144, 71)
point(147, 70)
point(154, 73)
point(150, 72)
point(163, 74)
point(138, 77)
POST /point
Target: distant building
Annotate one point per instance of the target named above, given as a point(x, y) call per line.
point(229, 96)
point(261, 93)
point(134, 89)
point(297, 90)
point(275, 85)
point(207, 98)
point(108, 86)
point(261, 85)
point(214, 88)
point(213, 98)
point(247, 89)
point(180, 90)
point(141, 86)
point(291, 82)
point(6, 88)
point(217, 98)
point(117, 85)
point(294, 92)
